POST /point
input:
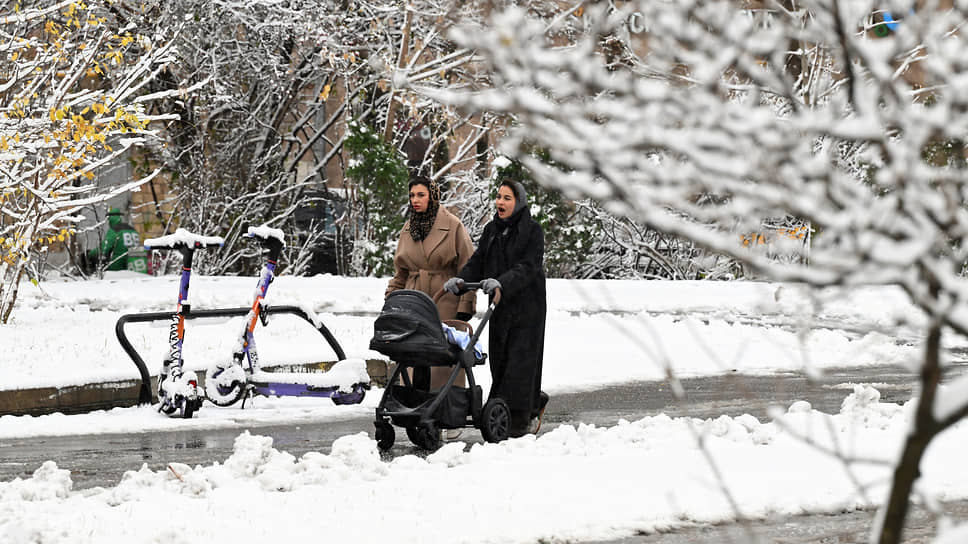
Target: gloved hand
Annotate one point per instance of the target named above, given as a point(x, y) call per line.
point(454, 285)
point(489, 285)
point(464, 316)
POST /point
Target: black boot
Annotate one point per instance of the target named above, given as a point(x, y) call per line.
point(535, 424)
point(519, 424)
point(542, 404)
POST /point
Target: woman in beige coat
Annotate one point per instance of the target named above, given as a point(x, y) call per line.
point(433, 246)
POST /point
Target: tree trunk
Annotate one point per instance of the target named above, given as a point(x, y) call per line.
point(10, 275)
point(925, 429)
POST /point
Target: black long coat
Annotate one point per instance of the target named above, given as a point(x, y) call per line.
point(512, 251)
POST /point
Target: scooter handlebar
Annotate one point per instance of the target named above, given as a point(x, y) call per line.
point(183, 240)
point(182, 245)
point(272, 244)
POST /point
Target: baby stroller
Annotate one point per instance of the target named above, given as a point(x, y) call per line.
point(409, 331)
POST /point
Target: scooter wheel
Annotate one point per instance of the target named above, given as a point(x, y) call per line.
point(167, 408)
point(225, 386)
point(384, 435)
point(189, 408)
point(495, 420)
point(353, 397)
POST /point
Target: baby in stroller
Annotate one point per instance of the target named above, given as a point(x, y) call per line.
point(409, 331)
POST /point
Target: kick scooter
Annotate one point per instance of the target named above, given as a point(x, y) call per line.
point(179, 394)
point(226, 383)
point(179, 391)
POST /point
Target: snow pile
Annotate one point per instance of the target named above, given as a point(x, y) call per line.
point(48, 482)
point(864, 407)
point(607, 482)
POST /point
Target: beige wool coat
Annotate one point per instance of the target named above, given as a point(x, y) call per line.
point(427, 264)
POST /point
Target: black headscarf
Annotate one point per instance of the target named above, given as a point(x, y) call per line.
point(520, 202)
point(421, 222)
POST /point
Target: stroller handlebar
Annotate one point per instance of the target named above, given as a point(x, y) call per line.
point(471, 286)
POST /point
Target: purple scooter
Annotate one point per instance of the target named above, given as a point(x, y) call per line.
point(179, 393)
point(227, 383)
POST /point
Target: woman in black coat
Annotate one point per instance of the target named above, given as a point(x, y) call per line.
point(510, 256)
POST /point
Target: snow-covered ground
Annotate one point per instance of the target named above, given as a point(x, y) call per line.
point(572, 483)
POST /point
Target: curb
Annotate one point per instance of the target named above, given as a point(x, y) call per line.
point(78, 399)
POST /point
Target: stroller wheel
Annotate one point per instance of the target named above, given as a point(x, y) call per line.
point(495, 420)
point(384, 435)
point(413, 433)
point(426, 436)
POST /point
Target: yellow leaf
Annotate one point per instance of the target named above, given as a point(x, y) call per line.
point(325, 94)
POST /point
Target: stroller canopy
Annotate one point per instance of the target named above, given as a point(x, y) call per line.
point(408, 331)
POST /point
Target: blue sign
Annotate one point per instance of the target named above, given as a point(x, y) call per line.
point(890, 21)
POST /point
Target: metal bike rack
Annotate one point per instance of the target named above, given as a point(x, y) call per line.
point(144, 395)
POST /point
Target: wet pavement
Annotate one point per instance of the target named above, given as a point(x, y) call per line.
point(101, 460)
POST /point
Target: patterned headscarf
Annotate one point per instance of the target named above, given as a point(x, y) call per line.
point(421, 222)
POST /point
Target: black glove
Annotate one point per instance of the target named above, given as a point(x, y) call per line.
point(464, 316)
point(489, 285)
point(454, 285)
